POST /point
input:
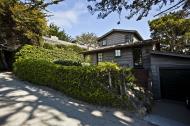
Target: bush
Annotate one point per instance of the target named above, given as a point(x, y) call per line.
point(51, 54)
point(48, 46)
point(86, 83)
point(83, 83)
point(108, 66)
point(65, 47)
point(67, 63)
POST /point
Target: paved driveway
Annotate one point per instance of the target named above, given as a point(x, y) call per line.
point(169, 113)
point(25, 104)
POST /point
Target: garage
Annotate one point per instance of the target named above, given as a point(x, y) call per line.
point(170, 76)
point(175, 83)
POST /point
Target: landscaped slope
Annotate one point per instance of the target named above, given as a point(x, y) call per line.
point(87, 83)
point(50, 53)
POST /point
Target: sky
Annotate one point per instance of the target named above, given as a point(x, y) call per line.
point(74, 17)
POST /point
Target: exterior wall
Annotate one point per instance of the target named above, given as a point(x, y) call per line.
point(117, 38)
point(126, 58)
point(158, 62)
point(135, 39)
point(146, 56)
point(92, 58)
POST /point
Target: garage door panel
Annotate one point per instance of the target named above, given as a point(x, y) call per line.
point(175, 83)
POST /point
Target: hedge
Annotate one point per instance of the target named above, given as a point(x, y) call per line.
point(36, 52)
point(65, 47)
point(67, 62)
point(86, 83)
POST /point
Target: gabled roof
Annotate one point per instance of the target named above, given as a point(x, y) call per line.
point(122, 30)
point(120, 46)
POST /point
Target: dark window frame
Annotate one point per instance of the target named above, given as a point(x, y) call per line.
point(99, 57)
point(104, 44)
point(129, 38)
point(137, 57)
point(116, 52)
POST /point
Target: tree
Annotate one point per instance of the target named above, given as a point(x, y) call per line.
point(21, 22)
point(38, 4)
point(89, 39)
point(172, 30)
point(140, 8)
point(54, 30)
point(19, 25)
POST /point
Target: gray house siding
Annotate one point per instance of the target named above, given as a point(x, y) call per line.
point(117, 38)
point(146, 56)
point(158, 62)
point(126, 58)
point(93, 58)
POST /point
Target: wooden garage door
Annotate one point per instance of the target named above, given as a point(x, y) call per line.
point(175, 83)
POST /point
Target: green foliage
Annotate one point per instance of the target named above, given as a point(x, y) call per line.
point(85, 64)
point(71, 47)
point(48, 46)
point(172, 30)
point(34, 52)
point(54, 30)
point(38, 4)
point(67, 62)
point(83, 83)
point(108, 66)
point(86, 83)
point(19, 24)
point(135, 8)
point(89, 39)
point(66, 47)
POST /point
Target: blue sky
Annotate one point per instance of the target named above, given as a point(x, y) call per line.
point(73, 16)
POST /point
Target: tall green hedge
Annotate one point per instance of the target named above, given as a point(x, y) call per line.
point(50, 54)
point(86, 83)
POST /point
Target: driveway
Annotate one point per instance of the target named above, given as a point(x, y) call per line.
point(23, 104)
point(169, 113)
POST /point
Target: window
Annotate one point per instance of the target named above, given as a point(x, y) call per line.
point(104, 42)
point(117, 53)
point(128, 38)
point(137, 57)
point(99, 57)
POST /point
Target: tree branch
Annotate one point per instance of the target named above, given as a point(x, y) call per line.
point(180, 2)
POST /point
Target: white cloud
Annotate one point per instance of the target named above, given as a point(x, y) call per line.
point(70, 17)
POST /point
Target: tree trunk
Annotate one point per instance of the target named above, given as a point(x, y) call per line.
point(110, 81)
point(3, 60)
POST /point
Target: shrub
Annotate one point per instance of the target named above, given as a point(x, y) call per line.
point(65, 47)
point(34, 52)
point(48, 46)
point(83, 83)
point(86, 83)
point(86, 64)
point(67, 62)
point(108, 66)
point(72, 47)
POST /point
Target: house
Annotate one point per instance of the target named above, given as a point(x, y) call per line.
point(169, 73)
